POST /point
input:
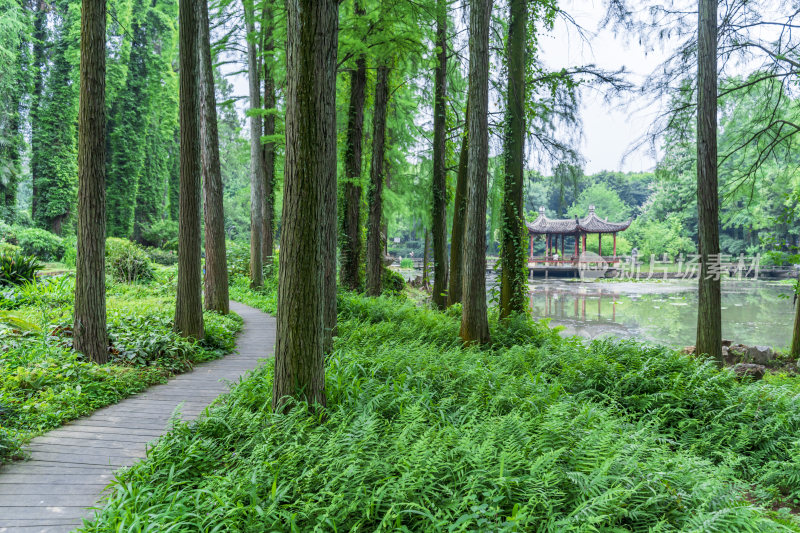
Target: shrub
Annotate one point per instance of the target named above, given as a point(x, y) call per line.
point(41, 243)
point(8, 233)
point(407, 262)
point(162, 257)
point(393, 283)
point(16, 268)
point(70, 258)
point(238, 257)
point(162, 234)
point(127, 262)
point(7, 247)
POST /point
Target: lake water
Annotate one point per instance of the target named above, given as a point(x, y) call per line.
point(665, 312)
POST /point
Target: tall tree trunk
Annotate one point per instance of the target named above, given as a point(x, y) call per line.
point(350, 247)
point(189, 306)
point(459, 211)
point(39, 65)
point(256, 158)
point(375, 196)
point(425, 259)
point(513, 280)
point(268, 231)
point(709, 314)
point(474, 321)
point(216, 275)
point(439, 215)
point(89, 327)
point(795, 350)
point(312, 39)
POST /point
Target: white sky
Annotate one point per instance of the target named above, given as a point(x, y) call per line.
point(609, 129)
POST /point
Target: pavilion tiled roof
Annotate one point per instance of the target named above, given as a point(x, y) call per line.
point(589, 224)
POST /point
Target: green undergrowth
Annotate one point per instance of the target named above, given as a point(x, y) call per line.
point(535, 433)
point(44, 383)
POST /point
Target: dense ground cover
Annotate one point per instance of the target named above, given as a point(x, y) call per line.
point(44, 383)
point(535, 433)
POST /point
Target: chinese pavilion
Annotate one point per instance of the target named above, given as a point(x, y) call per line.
point(557, 230)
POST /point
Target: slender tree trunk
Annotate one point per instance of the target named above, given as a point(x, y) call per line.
point(375, 197)
point(425, 259)
point(268, 232)
point(350, 247)
point(216, 275)
point(312, 33)
point(513, 280)
point(189, 306)
point(89, 328)
point(439, 215)
point(39, 65)
point(795, 350)
point(709, 314)
point(459, 210)
point(474, 321)
point(256, 158)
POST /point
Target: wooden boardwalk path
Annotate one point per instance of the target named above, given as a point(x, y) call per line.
point(70, 466)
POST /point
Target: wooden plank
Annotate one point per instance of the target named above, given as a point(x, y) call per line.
point(72, 466)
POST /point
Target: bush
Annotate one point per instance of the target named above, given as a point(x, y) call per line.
point(393, 283)
point(6, 247)
point(407, 262)
point(127, 262)
point(8, 233)
point(238, 257)
point(162, 257)
point(70, 258)
point(41, 243)
point(162, 234)
point(16, 268)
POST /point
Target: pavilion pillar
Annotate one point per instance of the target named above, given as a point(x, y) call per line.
point(577, 236)
point(530, 247)
point(562, 246)
point(615, 244)
point(600, 244)
point(546, 246)
point(584, 243)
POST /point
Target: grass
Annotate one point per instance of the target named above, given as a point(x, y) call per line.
point(535, 433)
point(44, 383)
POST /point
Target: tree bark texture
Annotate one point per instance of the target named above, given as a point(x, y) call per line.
point(350, 248)
point(439, 215)
point(89, 327)
point(795, 349)
point(459, 210)
point(189, 305)
point(513, 280)
point(256, 156)
point(312, 33)
point(216, 274)
point(268, 150)
point(474, 320)
point(375, 195)
point(709, 314)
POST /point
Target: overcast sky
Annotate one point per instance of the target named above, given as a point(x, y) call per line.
point(609, 129)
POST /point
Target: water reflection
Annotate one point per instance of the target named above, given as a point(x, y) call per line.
point(753, 312)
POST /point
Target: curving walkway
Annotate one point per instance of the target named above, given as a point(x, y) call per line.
point(70, 466)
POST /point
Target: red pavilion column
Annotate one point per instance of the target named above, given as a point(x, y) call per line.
point(584, 243)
